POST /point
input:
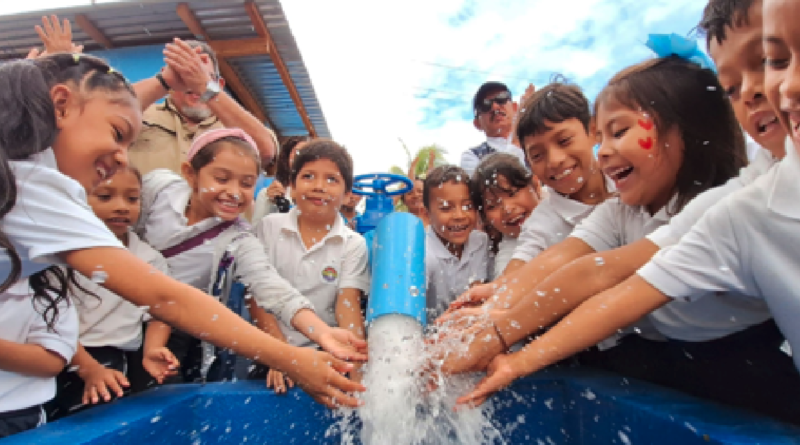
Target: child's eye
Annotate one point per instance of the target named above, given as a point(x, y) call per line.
point(133, 199)
point(103, 197)
point(221, 180)
point(117, 134)
point(776, 64)
point(535, 157)
point(565, 141)
point(308, 176)
point(730, 91)
point(333, 180)
point(619, 133)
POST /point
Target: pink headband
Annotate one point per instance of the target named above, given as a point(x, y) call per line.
point(217, 134)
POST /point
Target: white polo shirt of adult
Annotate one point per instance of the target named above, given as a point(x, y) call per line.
point(551, 222)
point(748, 244)
point(22, 322)
point(51, 216)
point(447, 275)
point(337, 261)
point(106, 319)
point(469, 161)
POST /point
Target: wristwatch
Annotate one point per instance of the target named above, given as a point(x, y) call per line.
point(212, 89)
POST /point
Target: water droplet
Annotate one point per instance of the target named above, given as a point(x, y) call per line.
point(155, 419)
point(624, 438)
point(711, 88)
point(599, 261)
point(413, 291)
point(99, 276)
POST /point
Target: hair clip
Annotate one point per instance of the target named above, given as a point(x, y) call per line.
point(76, 57)
point(111, 70)
point(665, 45)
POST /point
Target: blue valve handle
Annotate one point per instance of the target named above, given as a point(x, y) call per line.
point(379, 182)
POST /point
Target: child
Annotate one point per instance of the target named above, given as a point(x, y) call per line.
point(456, 255)
point(197, 226)
point(507, 194)
point(110, 327)
point(720, 343)
point(36, 342)
point(557, 133)
point(65, 123)
point(349, 212)
point(413, 201)
point(313, 249)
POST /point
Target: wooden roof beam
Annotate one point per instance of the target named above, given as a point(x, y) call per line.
point(232, 79)
point(261, 28)
point(238, 48)
point(93, 31)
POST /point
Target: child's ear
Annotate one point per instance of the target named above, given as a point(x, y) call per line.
point(593, 127)
point(63, 98)
point(189, 174)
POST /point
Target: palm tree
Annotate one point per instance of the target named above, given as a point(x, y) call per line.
point(420, 164)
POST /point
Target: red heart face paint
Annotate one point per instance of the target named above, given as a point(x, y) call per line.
point(647, 124)
point(647, 144)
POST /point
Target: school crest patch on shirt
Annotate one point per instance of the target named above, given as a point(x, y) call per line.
point(329, 274)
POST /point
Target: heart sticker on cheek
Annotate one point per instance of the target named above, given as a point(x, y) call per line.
point(647, 144)
point(646, 124)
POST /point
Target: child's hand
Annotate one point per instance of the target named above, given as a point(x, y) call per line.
point(56, 39)
point(344, 344)
point(320, 375)
point(98, 380)
point(474, 296)
point(474, 357)
point(502, 371)
point(160, 363)
point(280, 382)
point(275, 190)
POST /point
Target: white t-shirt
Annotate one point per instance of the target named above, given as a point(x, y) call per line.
point(51, 216)
point(106, 319)
point(337, 261)
point(504, 253)
point(469, 161)
point(22, 322)
point(550, 223)
point(748, 244)
point(449, 276)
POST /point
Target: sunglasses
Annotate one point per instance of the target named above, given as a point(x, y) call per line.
point(485, 105)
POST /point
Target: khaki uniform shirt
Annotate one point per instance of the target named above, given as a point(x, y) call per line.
point(165, 138)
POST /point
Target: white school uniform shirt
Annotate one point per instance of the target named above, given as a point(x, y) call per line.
point(106, 319)
point(469, 162)
point(337, 261)
point(449, 276)
point(51, 216)
point(22, 322)
point(748, 244)
point(551, 222)
point(163, 224)
point(505, 251)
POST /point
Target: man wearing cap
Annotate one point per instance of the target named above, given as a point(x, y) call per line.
point(196, 102)
point(494, 112)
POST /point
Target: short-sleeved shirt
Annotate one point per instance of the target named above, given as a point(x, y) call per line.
point(22, 322)
point(449, 276)
point(165, 138)
point(51, 216)
point(106, 319)
point(337, 261)
point(504, 253)
point(551, 222)
point(748, 244)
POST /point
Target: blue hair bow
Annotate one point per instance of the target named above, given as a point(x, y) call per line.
point(665, 45)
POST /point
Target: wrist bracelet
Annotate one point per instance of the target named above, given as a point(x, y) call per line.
point(500, 337)
point(163, 82)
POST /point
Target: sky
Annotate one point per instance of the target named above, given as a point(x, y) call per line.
point(407, 70)
point(385, 71)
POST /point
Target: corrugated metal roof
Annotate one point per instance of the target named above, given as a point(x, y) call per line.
point(133, 23)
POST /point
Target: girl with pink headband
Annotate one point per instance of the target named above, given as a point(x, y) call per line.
point(196, 223)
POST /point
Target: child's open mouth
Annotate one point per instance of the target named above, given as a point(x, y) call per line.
point(766, 125)
point(619, 174)
point(118, 221)
point(459, 229)
point(562, 175)
point(516, 221)
point(229, 205)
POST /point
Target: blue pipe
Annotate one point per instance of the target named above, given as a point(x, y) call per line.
point(398, 268)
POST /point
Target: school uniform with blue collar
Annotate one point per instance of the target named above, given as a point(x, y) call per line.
point(210, 255)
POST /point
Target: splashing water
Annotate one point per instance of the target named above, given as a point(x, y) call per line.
point(398, 408)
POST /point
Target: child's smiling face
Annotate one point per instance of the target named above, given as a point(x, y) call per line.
point(782, 52)
point(319, 190)
point(507, 207)
point(740, 64)
point(452, 214)
point(116, 201)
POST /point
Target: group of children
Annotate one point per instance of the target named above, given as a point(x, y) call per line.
point(665, 256)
